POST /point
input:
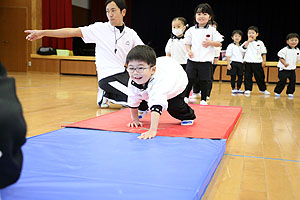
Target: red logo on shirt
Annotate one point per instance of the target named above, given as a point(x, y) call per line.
point(207, 35)
point(297, 54)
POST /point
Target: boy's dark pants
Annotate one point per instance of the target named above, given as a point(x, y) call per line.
point(178, 109)
point(283, 76)
point(257, 70)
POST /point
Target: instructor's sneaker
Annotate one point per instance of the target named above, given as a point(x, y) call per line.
point(187, 122)
point(290, 95)
point(104, 103)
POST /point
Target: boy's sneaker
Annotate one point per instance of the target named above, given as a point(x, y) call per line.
point(187, 122)
point(266, 92)
point(142, 113)
point(234, 91)
point(247, 92)
point(290, 95)
point(277, 95)
point(204, 103)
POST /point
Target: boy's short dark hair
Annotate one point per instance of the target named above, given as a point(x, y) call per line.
point(204, 8)
point(237, 32)
point(292, 35)
point(120, 3)
point(253, 28)
point(142, 53)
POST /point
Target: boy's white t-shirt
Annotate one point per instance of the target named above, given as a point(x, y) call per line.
point(235, 53)
point(107, 39)
point(291, 56)
point(168, 81)
point(176, 47)
point(195, 36)
point(254, 51)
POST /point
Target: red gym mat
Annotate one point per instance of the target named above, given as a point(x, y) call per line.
point(213, 122)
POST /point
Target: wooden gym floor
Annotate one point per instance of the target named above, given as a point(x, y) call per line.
point(262, 158)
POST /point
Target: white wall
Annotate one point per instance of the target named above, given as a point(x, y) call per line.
point(81, 3)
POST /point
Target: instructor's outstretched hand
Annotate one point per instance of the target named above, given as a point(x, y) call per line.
point(34, 34)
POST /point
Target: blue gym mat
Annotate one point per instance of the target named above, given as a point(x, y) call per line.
point(88, 164)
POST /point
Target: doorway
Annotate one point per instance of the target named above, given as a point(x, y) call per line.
point(13, 46)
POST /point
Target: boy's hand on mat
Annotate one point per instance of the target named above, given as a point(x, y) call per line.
point(147, 135)
point(135, 124)
point(33, 35)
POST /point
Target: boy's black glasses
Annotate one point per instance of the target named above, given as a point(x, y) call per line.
point(137, 69)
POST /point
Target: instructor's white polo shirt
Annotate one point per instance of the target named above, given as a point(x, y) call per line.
point(108, 38)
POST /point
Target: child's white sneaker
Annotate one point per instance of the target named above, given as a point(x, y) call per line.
point(266, 92)
point(277, 95)
point(247, 92)
point(234, 91)
point(240, 91)
point(187, 122)
point(204, 103)
point(290, 95)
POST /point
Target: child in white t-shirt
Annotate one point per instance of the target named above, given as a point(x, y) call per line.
point(288, 58)
point(161, 82)
point(234, 56)
point(201, 41)
point(175, 47)
point(255, 60)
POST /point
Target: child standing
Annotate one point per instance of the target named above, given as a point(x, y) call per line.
point(255, 60)
point(175, 47)
point(200, 42)
point(235, 61)
point(288, 58)
point(161, 82)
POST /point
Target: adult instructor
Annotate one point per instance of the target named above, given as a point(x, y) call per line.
point(113, 42)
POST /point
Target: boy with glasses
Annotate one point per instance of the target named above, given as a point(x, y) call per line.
point(162, 83)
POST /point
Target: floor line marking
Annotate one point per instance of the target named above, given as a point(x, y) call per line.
point(278, 159)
